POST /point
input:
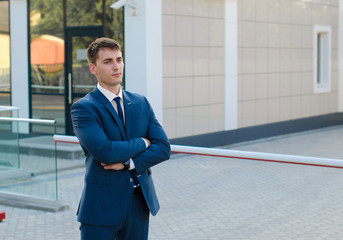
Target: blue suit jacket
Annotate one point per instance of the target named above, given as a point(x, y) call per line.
point(107, 193)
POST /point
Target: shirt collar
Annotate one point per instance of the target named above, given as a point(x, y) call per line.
point(110, 95)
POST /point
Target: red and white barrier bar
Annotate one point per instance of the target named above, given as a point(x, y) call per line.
point(259, 156)
point(245, 155)
point(66, 139)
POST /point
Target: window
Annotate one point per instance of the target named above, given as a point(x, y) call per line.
point(5, 64)
point(47, 48)
point(322, 59)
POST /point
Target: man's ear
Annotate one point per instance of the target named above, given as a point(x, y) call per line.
point(92, 68)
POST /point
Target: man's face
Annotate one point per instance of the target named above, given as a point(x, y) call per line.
point(109, 68)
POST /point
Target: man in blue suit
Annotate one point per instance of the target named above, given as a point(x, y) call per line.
point(121, 139)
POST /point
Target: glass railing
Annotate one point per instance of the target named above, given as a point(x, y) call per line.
point(9, 139)
point(28, 162)
point(8, 111)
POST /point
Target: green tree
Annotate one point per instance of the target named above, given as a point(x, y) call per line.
point(47, 17)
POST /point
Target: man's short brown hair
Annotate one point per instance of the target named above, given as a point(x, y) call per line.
point(94, 47)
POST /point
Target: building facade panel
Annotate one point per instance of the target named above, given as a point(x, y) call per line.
point(193, 66)
point(275, 46)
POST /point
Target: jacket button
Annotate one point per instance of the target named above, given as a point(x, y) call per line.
point(131, 179)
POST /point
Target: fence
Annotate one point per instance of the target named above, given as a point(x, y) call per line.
point(24, 158)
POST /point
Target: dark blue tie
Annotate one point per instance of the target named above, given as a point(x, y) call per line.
point(120, 111)
point(120, 114)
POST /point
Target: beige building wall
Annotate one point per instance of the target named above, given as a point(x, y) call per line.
point(275, 63)
point(193, 66)
point(275, 60)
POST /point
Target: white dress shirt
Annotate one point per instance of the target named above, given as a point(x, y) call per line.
point(111, 96)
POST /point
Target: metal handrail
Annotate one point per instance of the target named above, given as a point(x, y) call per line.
point(244, 155)
point(7, 108)
point(28, 120)
point(47, 87)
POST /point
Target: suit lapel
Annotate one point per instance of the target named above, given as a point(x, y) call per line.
point(110, 108)
point(129, 112)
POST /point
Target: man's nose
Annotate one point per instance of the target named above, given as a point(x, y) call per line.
point(116, 65)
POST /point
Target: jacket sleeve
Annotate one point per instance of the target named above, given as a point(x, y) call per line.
point(89, 131)
point(158, 151)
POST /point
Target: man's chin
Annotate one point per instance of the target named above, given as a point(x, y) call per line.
point(115, 83)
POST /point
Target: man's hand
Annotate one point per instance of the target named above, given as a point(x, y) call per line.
point(113, 166)
point(147, 140)
point(119, 166)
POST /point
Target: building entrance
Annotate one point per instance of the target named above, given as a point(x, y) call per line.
point(78, 79)
point(60, 32)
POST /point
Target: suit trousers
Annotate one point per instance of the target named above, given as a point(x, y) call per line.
point(136, 226)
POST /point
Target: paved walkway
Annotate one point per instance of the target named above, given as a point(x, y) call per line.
point(218, 198)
